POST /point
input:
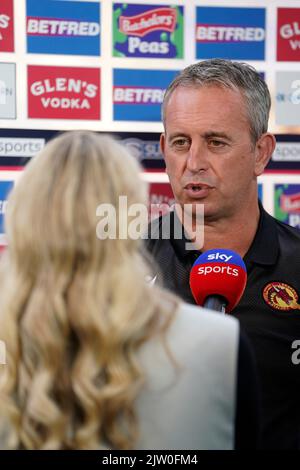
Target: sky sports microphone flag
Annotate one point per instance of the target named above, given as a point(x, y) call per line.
point(218, 273)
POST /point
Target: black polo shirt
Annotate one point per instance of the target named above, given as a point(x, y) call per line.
point(269, 312)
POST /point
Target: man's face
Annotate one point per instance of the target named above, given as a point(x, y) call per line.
point(209, 155)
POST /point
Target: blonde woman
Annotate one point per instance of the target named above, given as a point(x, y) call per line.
point(96, 357)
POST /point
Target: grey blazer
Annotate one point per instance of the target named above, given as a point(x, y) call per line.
point(192, 407)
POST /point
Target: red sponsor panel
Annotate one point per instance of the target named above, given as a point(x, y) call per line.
point(160, 199)
point(63, 92)
point(288, 34)
point(6, 26)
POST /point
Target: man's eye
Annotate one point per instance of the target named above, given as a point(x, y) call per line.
point(180, 142)
point(217, 143)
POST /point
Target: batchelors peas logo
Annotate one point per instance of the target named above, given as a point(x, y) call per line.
point(281, 296)
point(147, 31)
point(157, 19)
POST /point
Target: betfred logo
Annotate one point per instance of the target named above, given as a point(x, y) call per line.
point(138, 94)
point(63, 27)
point(157, 19)
point(50, 27)
point(288, 34)
point(216, 33)
point(6, 26)
point(230, 33)
point(63, 92)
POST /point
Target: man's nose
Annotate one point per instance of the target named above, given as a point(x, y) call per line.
point(197, 159)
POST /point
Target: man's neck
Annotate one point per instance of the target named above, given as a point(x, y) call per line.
point(233, 233)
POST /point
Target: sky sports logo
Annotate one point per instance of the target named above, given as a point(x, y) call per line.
point(134, 96)
point(143, 149)
point(205, 270)
point(230, 33)
point(218, 257)
point(63, 27)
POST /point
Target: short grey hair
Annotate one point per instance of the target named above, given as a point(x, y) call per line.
point(228, 74)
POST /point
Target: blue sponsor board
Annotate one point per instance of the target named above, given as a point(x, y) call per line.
point(5, 188)
point(63, 27)
point(154, 31)
point(230, 33)
point(138, 94)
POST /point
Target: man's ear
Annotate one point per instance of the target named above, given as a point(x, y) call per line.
point(264, 149)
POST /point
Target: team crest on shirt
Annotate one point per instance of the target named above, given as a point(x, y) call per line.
point(281, 296)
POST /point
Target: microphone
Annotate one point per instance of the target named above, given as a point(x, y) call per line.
point(218, 279)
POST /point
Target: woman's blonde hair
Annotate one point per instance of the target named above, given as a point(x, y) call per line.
point(74, 309)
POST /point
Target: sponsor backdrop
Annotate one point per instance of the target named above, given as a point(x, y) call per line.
point(104, 65)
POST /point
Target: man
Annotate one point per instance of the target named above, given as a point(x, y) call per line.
point(215, 145)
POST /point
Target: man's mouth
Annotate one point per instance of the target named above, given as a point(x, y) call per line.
point(197, 186)
point(198, 190)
